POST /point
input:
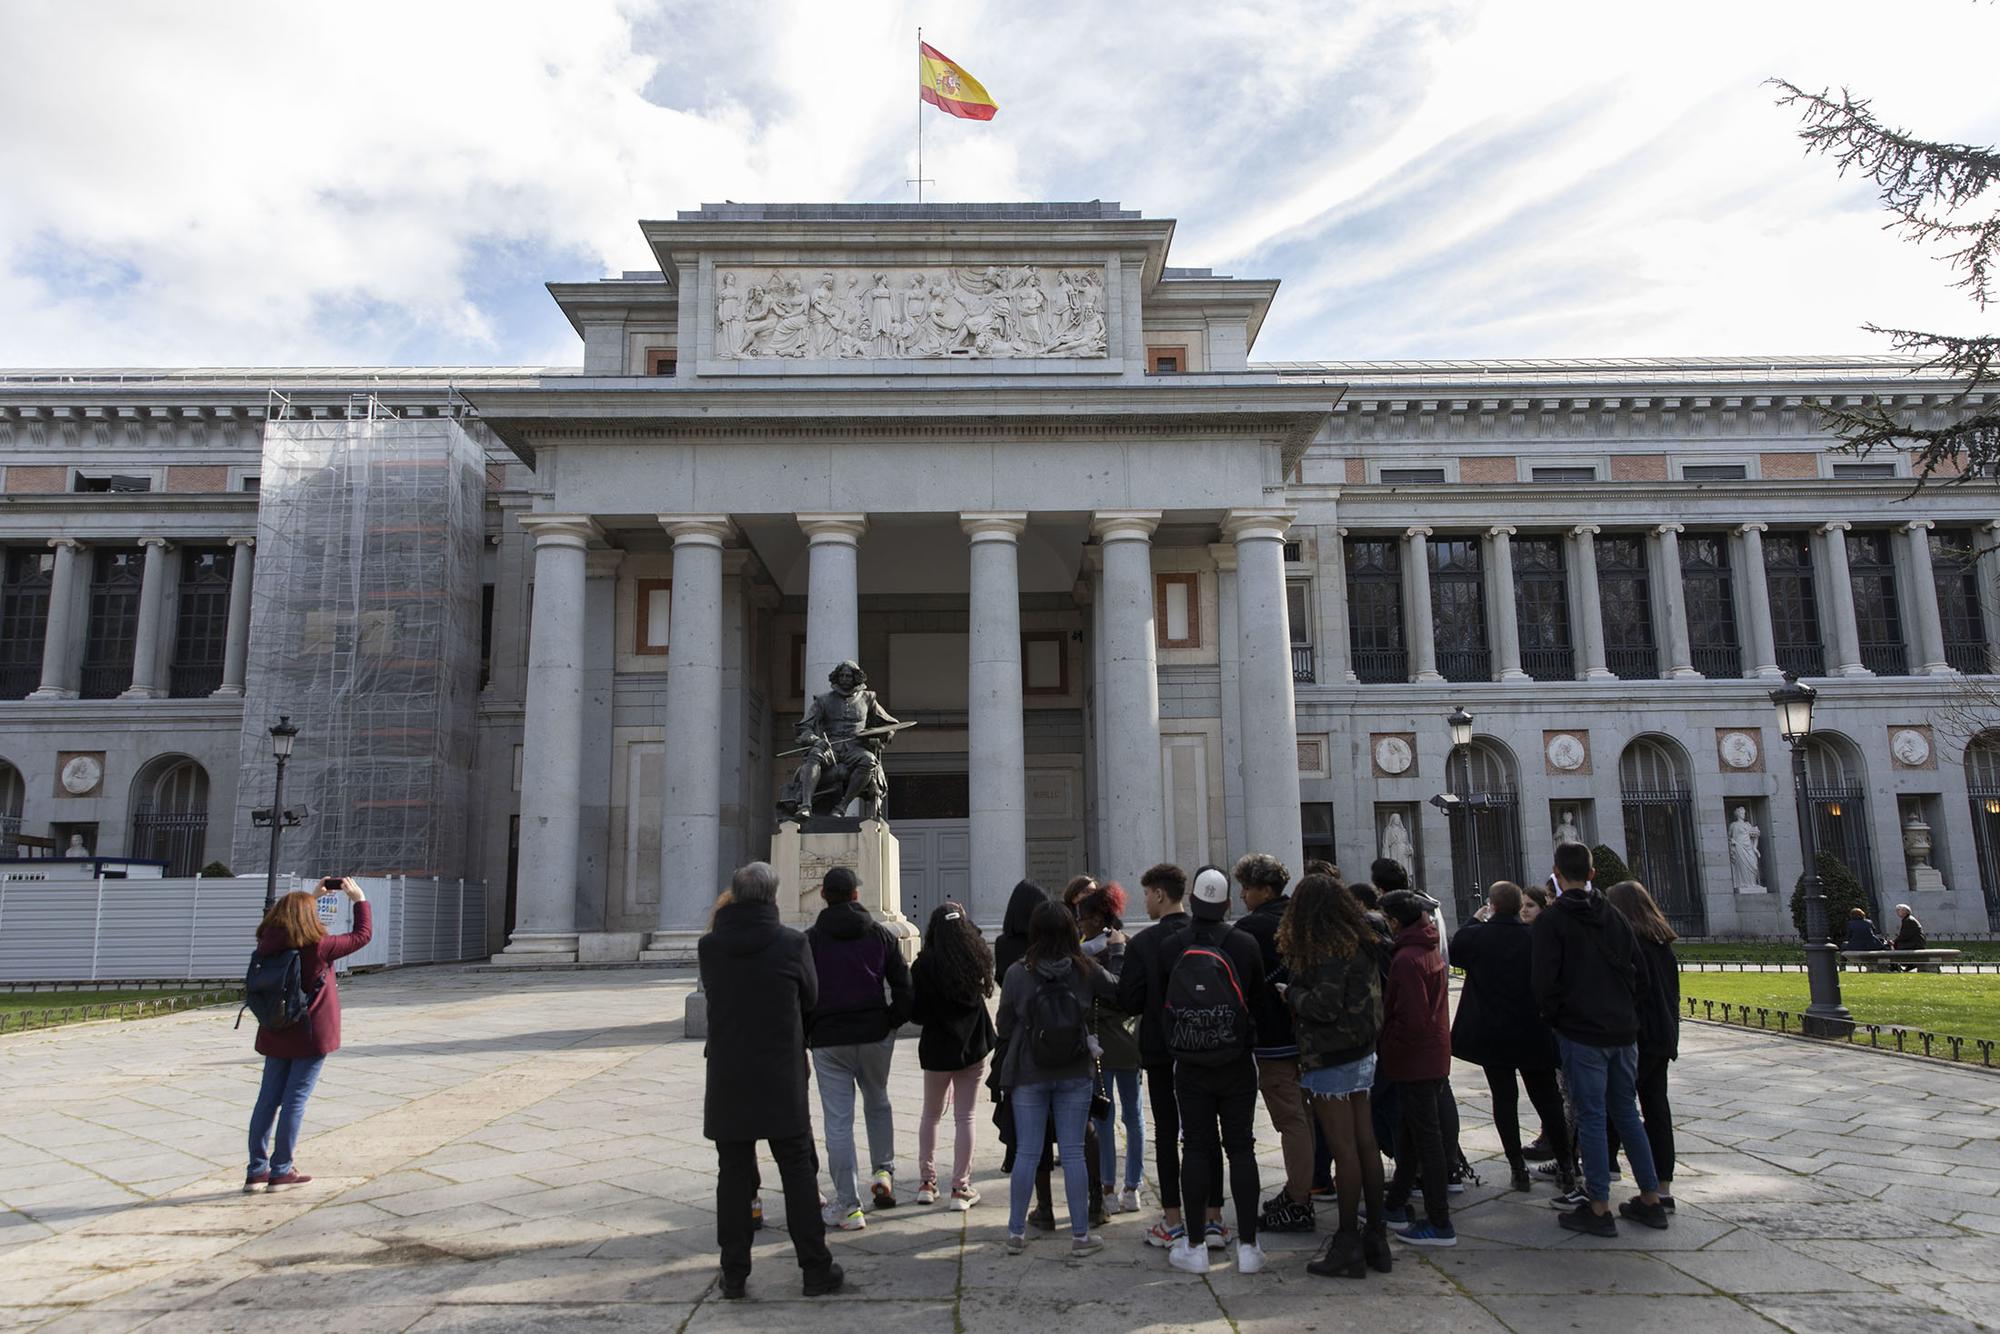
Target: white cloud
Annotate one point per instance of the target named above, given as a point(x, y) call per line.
point(292, 183)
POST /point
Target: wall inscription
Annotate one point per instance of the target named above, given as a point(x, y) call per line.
point(845, 313)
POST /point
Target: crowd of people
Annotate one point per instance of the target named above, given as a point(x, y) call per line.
point(1328, 1003)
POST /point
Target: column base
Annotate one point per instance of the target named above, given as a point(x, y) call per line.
point(1770, 671)
point(1600, 674)
point(1515, 674)
point(139, 692)
point(1937, 669)
point(226, 692)
point(50, 692)
point(1851, 669)
point(670, 947)
point(1425, 678)
point(1684, 674)
point(537, 949)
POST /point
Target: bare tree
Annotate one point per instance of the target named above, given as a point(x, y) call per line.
point(1933, 191)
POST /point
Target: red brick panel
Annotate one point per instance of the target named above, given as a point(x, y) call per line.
point(1498, 469)
point(205, 479)
point(1787, 466)
point(1638, 467)
point(32, 480)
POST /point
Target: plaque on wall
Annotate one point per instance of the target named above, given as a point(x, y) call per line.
point(1911, 748)
point(80, 773)
point(1739, 750)
point(1394, 754)
point(1566, 752)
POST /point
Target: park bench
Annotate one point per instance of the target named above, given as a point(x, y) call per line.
point(1889, 961)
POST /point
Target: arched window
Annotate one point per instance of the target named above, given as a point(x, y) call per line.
point(1485, 822)
point(1656, 797)
point(13, 796)
point(1837, 788)
point(170, 814)
point(1982, 778)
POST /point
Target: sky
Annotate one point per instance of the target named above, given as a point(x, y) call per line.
point(213, 183)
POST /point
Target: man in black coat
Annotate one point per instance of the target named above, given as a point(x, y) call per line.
point(759, 978)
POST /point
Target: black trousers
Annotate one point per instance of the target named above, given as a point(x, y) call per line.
point(1548, 1104)
point(1655, 1111)
point(1167, 1138)
point(736, 1182)
point(1420, 1150)
point(1218, 1106)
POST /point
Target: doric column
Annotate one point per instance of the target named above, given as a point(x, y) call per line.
point(1228, 641)
point(1757, 584)
point(996, 734)
point(59, 665)
point(1923, 600)
point(552, 744)
point(1667, 547)
point(1420, 631)
point(1264, 675)
point(691, 777)
point(146, 683)
point(600, 632)
point(833, 594)
point(1500, 587)
point(1336, 633)
point(1840, 594)
point(1590, 611)
point(236, 650)
point(1134, 826)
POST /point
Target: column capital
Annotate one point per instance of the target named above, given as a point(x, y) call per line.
point(844, 529)
point(1918, 525)
point(242, 541)
point(1417, 531)
point(1836, 526)
point(1753, 527)
point(561, 530)
point(600, 561)
point(993, 525)
point(1502, 530)
point(1124, 525)
point(1251, 525)
point(1585, 530)
point(156, 542)
point(73, 543)
point(696, 529)
point(1667, 529)
point(1224, 554)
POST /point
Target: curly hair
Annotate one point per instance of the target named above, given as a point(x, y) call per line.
point(958, 957)
point(1106, 903)
point(1321, 922)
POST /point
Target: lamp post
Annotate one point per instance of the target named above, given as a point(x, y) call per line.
point(1460, 723)
point(1825, 1016)
point(283, 733)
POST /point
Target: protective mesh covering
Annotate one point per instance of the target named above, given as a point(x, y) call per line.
point(365, 629)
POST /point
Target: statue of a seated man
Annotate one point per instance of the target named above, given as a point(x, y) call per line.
point(842, 734)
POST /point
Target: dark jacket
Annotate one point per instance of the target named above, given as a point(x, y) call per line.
point(319, 1034)
point(761, 987)
point(956, 1032)
point(1142, 985)
point(1586, 971)
point(1416, 1009)
point(1013, 941)
point(1018, 1065)
point(1272, 1016)
point(864, 985)
point(1862, 935)
point(1910, 935)
point(1498, 1023)
point(1659, 1001)
point(1336, 1008)
point(1117, 1032)
point(1234, 944)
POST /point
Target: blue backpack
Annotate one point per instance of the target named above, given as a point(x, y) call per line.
point(274, 990)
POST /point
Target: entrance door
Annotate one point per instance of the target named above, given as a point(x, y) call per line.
point(937, 864)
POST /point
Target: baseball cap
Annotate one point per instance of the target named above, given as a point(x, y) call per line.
point(1208, 897)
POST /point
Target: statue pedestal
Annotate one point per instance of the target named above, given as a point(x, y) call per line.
point(803, 856)
point(1926, 880)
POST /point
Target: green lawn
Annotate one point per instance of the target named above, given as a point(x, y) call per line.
point(1790, 951)
point(1964, 1004)
point(14, 1005)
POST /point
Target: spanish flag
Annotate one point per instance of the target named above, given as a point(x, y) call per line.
point(946, 86)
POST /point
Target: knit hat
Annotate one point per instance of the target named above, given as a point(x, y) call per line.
point(1208, 898)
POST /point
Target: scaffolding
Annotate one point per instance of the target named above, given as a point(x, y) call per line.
point(365, 631)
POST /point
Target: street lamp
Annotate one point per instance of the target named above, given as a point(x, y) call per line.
point(1825, 1016)
point(283, 733)
point(1460, 724)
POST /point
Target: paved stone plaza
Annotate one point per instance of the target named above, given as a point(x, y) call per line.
point(525, 1153)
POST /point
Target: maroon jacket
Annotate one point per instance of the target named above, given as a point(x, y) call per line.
point(319, 1033)
point(1416, 1020)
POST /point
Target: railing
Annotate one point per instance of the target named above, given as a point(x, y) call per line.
point(10, 834)
point(18, 680)
point(1302, 664)
point(1718, 662)
point(22, 1020)
point(1380, 666)
point(1885, 658)
point(1633, 664)
point(1466, 664)
point(176, 838)
point(104, 680)
point(1898, 1035)
point(1804, 659)
point(1968, 656)
point(193, 680)
point(1549, 664)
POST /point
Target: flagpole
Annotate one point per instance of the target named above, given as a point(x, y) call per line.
point(920, 121)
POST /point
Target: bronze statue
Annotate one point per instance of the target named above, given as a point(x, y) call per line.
point(841, 736)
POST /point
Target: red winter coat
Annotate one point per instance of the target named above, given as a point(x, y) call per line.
point(319, 1033)
point(1416, 1017)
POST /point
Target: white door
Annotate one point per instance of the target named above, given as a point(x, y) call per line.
point(937, 864)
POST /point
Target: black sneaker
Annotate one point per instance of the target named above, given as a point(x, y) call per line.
point(826, 1283)
point(1460, 1176)
point(1652, 1215)
point(1538, 1152)
point(1666, 1202)
point(1588, 1221)
point(1570, 1199)
point(1042, 1220)
point(734, 1286)
point(1281, 1214)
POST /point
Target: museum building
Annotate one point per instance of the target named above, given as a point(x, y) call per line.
point(1143, 597)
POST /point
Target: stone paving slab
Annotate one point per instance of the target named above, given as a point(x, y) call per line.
point(524, 1152)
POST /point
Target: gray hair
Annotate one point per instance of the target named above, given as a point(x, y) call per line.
point(755, 883)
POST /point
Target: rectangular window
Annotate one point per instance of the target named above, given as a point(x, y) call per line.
point(1177, 610)
point(1862, 471)
point(1166, 360)
point(1316, 830)
point(1541, 609)
point(660, 361)
point(1411, 476)
point(250, 484)
point(1563, 474)
point(1626, 605)
point(1711, 605)
point(105, 482)
point(1295, 552)
point(1298, 615)
point(1458, 606)
point(485, 635)
point(1045, 662)
point(654, 601)
point(1871, 569)
point(112, 632)
point(1375, 610)
point(24, 618)
point(1795, 628)
point(201, 622)
point(1714, 472)
point(1954, 570)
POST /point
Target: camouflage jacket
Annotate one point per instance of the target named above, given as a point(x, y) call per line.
point(1337, 1008)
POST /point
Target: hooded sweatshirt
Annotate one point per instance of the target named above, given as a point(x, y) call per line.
point(1017, 994)
point(864, 984)
point(1013, 942)
point(1586, 970)
point(1416, 1009)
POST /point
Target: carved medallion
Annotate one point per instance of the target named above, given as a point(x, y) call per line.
point(1738, 750)
point(1394, 755)
point(1911, 747)
point(1566, 752)
point(80, 775)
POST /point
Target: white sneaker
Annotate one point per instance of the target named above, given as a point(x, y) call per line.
point(927, 1193)
point(847, 1220)
point(1128, 1200)
point(962, 1200)
point(1249, 1258)
point(1188, 1259)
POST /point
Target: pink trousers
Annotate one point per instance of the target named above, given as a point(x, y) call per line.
point(963, 1086)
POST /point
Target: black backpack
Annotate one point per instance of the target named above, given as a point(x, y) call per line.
point(274, 990)
point(1208, 1018)
point(1058, 1025)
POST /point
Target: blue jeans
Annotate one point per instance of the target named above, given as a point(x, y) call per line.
point(288, 1082)
point(841, 1070)
point(1604, 1082)
point(1122, 1087)
point(1069, 1101)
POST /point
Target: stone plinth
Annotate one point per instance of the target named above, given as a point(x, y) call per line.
point(803, 856)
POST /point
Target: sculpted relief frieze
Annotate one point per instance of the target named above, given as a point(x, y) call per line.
point(853, 314)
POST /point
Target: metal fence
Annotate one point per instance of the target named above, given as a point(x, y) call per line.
point(108, 930)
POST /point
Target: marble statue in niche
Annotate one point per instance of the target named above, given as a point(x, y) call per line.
point(1566, 830)
point(1395, 844)
point(970, 311)
point(1745, 859)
